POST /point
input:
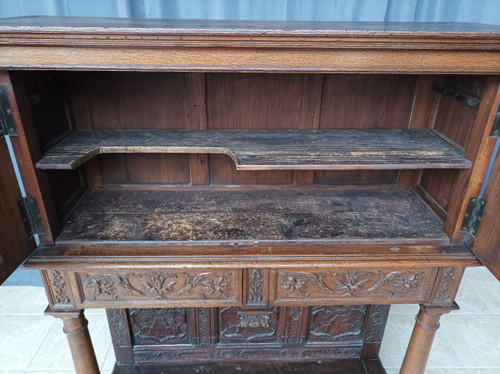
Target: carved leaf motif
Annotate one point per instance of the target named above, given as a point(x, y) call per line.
point(337, 322)
point(157, 285)
point(256, 283)
point(59, 287)
point(447, 279)
point(351, 283)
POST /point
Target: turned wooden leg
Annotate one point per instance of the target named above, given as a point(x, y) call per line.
point(82, 351)
point(426, 324)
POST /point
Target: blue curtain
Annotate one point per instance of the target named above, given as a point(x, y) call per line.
point(479, 11)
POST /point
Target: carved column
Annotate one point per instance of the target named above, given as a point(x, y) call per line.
point(426, 324)
point(75, 328)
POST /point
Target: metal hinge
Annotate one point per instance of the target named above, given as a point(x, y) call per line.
point(7, 123)
point(31, 216)
point(473, 215)
point(495, 130)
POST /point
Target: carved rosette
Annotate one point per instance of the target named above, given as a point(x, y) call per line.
point(59, 287)
point(169, 286)
point(351, 283)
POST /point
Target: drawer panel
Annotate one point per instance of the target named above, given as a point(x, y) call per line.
point(326, 286)
point(172, 287)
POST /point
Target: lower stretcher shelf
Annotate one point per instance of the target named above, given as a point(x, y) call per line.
point(225, 216)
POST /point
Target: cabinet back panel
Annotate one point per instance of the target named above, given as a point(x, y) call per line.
point(145, 169)
point(365, 102)
point(132, 101)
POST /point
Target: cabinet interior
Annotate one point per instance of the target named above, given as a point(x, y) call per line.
point(190, 196)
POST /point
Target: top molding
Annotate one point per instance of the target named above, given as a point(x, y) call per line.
point(70, 43)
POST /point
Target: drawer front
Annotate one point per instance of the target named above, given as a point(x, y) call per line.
point(160, 287)
point(326, 286)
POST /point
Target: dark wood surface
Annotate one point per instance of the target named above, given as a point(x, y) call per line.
point(14, 243)
point(269, 149)
point(346, 366)
point(225, 216)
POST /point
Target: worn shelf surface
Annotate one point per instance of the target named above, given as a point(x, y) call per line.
point(266, 217)
point(269, 149)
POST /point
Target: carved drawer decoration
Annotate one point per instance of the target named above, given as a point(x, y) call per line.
point(248, 325)
point(359, 285)
point(173, 287)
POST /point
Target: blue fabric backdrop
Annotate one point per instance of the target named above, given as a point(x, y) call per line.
point(482, 11)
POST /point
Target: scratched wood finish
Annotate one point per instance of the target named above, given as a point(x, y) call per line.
point(353, 366)
point(269, 149)
point(204, 216)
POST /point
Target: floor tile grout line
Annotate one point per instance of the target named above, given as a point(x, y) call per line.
point(41, 344)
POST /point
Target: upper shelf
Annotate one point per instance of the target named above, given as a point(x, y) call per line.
point(269, 149)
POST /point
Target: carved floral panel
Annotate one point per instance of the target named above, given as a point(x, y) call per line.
point(346, 284)
point(336, 323)
point(161, 287)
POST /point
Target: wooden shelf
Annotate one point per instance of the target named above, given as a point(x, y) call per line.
point(267, 217)
point(269, 149)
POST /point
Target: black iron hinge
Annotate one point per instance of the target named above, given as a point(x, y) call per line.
point(495, 130)
point(30, 213)
point(473, 215)
point(7, 123)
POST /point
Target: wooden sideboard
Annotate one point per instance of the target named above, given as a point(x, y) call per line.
point(249, 196)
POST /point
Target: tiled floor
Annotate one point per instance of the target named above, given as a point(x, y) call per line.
point(467, 343)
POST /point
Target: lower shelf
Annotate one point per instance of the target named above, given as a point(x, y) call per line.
point(259, 216)
point(348, 366)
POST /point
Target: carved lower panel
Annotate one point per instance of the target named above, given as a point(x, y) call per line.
point(248, 325)
point(336, 286)
point(249, 333)
point(159, 326)
point(244, 354)
point(336, 323)
point(173, 287)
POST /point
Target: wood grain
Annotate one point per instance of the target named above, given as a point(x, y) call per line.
point(269, 149)
point(225, 216)
point(194, 45)
point(15, 243)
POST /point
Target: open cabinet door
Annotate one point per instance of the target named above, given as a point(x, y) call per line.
point(15, 245)
point(486, 245)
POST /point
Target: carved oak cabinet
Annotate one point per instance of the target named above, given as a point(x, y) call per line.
point(249, 196)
